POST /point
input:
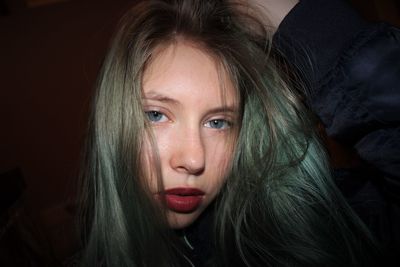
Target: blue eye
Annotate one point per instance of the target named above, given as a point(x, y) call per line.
point(218, 124)
point(155, 116)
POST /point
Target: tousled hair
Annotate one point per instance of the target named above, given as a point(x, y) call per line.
point(279, 205)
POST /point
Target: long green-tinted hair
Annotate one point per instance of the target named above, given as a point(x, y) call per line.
point(279, 206)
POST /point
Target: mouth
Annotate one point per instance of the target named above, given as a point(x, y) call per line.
point(183, 200)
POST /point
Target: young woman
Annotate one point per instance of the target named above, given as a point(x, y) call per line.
point(201, 154)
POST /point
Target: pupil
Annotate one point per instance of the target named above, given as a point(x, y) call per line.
point(154, 115)
point(216, 123)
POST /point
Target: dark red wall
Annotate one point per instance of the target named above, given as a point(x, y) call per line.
point(379, 10)
point(49, 57)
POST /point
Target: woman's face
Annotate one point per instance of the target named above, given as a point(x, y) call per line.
point(194, 122)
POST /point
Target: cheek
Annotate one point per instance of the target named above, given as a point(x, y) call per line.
point(220, 157)
point(154, 157)
point(149, 161)
point(165, 141)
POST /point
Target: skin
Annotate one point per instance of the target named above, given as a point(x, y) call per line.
point(193, 123)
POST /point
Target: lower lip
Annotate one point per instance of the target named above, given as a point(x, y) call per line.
point(183, 199)
point(183, 204)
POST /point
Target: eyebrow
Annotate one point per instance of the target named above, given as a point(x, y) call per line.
point(229, 109)
point(166, 99)
point(161, 98)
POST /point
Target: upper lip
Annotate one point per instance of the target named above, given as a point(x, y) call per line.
point(184, 191)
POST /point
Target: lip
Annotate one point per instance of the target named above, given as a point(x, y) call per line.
point(183, 199)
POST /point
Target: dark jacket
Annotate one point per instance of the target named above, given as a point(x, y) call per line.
point(352, 68)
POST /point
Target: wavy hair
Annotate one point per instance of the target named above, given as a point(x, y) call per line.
point(279, 206)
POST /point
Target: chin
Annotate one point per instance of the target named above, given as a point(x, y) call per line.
point(181, 220)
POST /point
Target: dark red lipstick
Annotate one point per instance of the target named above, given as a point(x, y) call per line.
point(183, 200)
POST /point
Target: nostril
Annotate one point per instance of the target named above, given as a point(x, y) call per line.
point(191, 169)
point(198, 171)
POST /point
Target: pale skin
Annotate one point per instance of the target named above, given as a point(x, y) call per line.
point(192, 125)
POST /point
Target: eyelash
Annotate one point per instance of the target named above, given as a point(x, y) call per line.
point(153, 113)
point(226, 124)
point(209, 124)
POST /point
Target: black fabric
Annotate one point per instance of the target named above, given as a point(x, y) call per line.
point(315, 34)
point(200, 237)
point(353, 70)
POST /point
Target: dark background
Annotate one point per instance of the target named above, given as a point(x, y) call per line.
point(50, 52)
point(49, 58)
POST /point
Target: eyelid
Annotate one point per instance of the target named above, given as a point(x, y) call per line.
point(159, 110)
point(225, 118)
point(225, 126)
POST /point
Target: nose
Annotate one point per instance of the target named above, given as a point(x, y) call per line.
point(189, 154)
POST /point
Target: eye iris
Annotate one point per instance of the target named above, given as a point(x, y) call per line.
point(218, 124)
point(154, 115)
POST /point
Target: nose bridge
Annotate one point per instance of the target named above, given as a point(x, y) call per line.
point(189, 155)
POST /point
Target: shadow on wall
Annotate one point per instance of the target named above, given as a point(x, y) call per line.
point(49, 58)
point(379, 10)
point(29, 239)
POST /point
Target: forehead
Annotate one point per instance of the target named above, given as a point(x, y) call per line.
point(183, 67)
